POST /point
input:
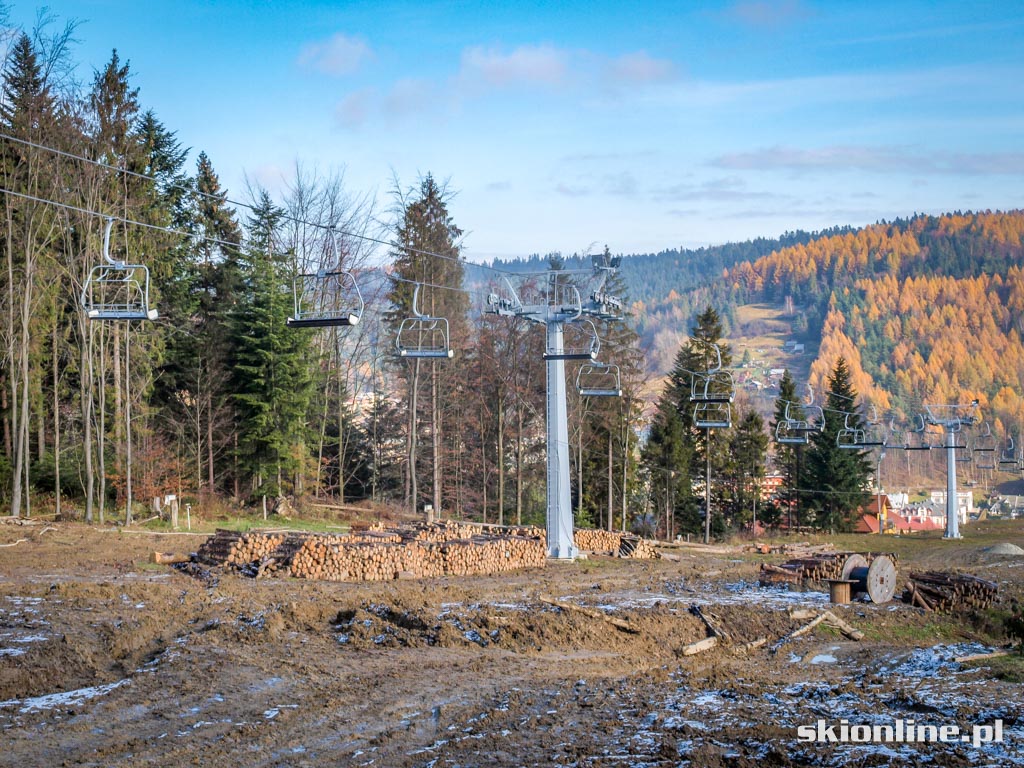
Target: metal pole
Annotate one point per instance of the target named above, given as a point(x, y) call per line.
point(952, 508)
point(128, 421)
point(707, 488)
point(559, 514)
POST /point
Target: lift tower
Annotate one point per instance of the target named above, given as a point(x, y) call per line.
point(952, 418)
point(558, 305)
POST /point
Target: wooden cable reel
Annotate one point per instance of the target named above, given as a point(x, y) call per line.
point(878, 579)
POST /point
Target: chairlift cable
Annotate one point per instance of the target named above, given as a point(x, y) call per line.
point(226, 199)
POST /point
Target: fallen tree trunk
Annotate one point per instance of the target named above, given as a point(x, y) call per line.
point(591, 612)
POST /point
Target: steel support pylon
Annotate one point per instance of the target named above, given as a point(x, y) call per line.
point(952, 505)
point(559, 509)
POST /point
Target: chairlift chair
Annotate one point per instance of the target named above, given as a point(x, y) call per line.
point(116, 290)
point(792, 432)
point(423, 336)
point(599, 380)
point(713, 385)
point(920, 429)
point(795, 429)
point(1008, 457)
point(586, 348)
point(850, 437)
point(712, 415)
point(326, 298)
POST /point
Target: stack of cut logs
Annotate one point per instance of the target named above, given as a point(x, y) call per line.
point(940, 591)
point(818, 567)
point(597, 540)
point(234, 548)
point(371, 555)
point(321, 558)
point(424, 550)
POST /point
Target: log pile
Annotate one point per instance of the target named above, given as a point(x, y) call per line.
point(236, 549)
point(614, 543)
point(321, 558)
point(372, 555)
point(638, 549)
point(949, 592)
point(817, 567)
point(597, 540)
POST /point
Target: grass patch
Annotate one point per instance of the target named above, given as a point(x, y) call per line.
point(935, 630)
point(1008, 668)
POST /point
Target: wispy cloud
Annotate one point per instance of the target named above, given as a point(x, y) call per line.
point(725, 189)
point(527, 64)
point(340, 55)
point(885, 159)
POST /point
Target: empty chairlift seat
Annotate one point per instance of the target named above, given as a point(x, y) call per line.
point(422, 335)
point(328, 297)
point(117, 290)
point(599, 380)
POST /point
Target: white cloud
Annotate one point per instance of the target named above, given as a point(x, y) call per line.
point(541, 64)
point(883, 159)
point(340, 55)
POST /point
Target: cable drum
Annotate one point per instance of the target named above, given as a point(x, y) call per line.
point(877, 580)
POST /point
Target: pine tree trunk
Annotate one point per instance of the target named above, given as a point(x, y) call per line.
point(101, 447)
point(412, 493)
point(56, 426)
point(435, 428)
point(118, 404)
point(86, 394)
point(611, 484)
point(500, 460)
point(210, 477)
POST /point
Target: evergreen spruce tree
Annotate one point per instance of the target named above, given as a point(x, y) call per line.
point(838, 476)
point(270, 374)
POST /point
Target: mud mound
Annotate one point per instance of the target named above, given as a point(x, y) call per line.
point(1004, 549)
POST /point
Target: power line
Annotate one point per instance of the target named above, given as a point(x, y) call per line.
point(237, 203)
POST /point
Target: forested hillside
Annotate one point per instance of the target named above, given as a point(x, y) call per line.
point(924, 309)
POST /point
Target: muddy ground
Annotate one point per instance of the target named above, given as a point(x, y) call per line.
point(106, 659)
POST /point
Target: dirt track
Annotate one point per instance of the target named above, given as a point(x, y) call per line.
point(106, 660)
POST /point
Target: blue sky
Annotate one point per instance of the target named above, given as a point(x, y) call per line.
point(568, 126)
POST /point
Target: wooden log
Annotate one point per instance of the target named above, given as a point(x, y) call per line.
point(748, 647)
point(592, 613)
point(169, 558)
point(701, 645)
point(800, 631)
point(917, 597)
point(713, 628)
point(849, 631)
point(982, 656)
